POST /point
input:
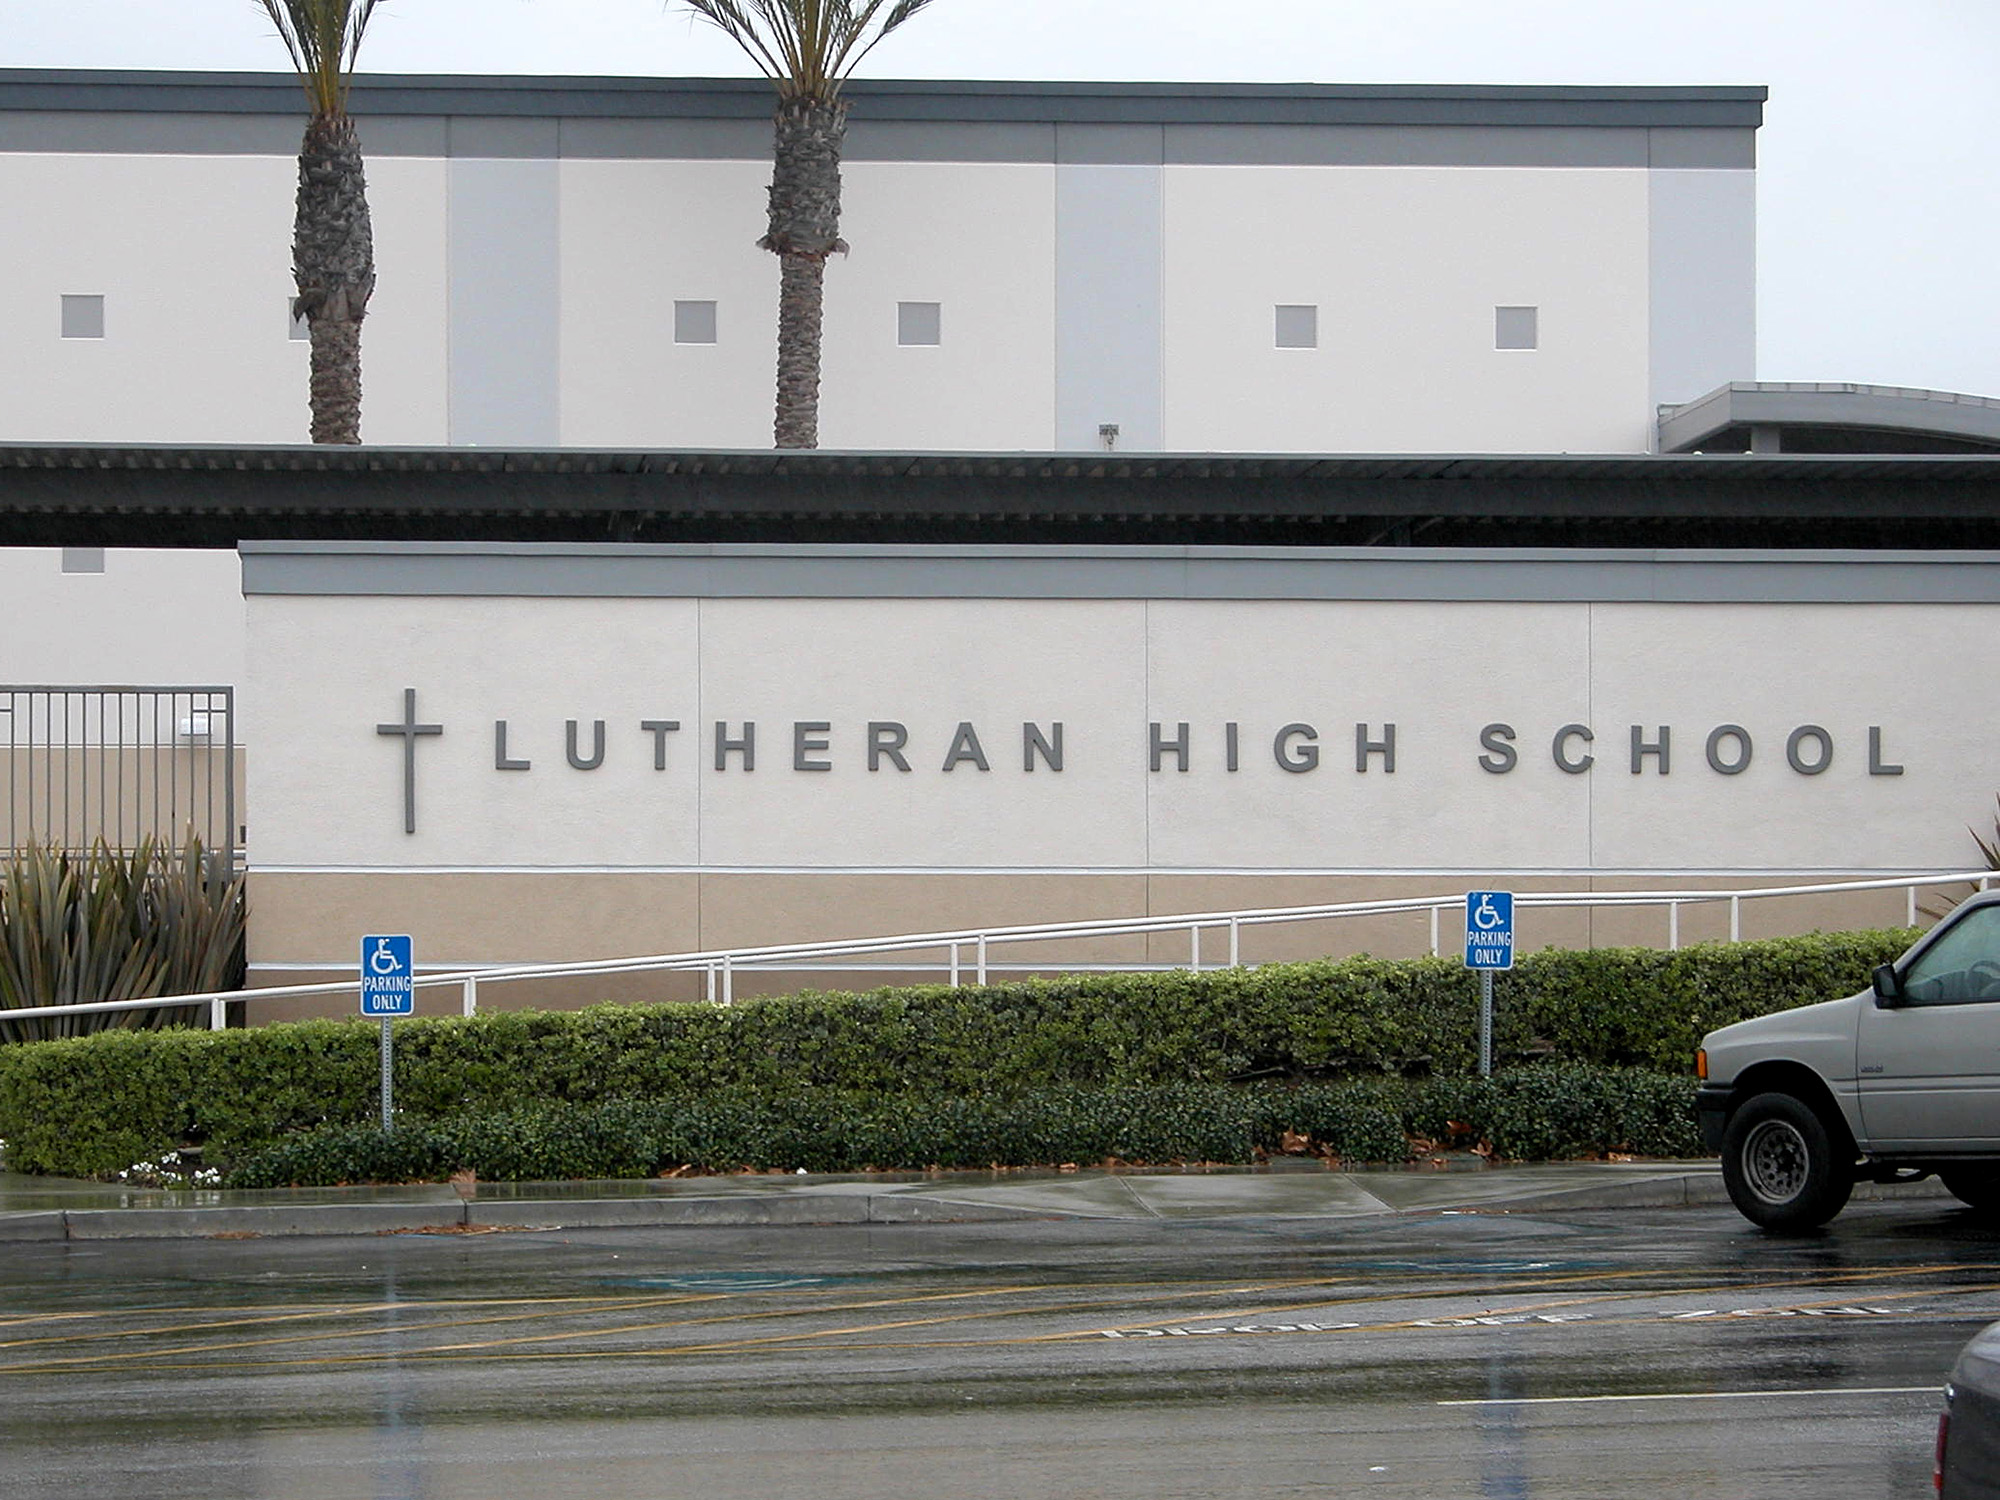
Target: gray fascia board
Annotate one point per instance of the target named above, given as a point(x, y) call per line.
point(1422, 145)
point(735, 98)
point(520, 570)
point(1702, 149)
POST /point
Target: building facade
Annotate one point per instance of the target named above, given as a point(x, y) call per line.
point(1035, 266)
point(1240, 496)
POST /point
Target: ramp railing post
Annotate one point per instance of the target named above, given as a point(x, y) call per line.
point(1235, 943)
point(728, 980)
point(1194, 946)
point(954, 965)
point(1673, 926)
point(469, 999)
point(218, 1014)
point(1735, 919)
point(982, 958)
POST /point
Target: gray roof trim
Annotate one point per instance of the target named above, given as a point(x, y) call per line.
point(29, 89)
point(470, 570)
point(133, 133)
point(1879, 408)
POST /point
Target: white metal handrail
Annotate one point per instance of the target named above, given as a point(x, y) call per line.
point(952, 950)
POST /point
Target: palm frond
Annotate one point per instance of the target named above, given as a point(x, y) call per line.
point(808, 48)
point(902, 12)
point(323, 38)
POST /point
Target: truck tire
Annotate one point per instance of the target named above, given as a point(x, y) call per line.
point(1975, 1187)
point(1780, 1165)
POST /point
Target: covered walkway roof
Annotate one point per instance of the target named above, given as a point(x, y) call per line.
point(139, 496)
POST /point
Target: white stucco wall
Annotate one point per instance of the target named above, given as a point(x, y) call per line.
point(192, 255)
point(324, 672)
point(979, 240)
point(1406, 266)
point(637, 236)
point(152, 617)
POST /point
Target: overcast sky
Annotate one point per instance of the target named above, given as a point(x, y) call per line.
point(1878, 211)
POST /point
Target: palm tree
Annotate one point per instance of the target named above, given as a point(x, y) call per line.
point(333, 245)
point(808, 49)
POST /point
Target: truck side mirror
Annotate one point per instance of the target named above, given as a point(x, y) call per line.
point(1888, 987)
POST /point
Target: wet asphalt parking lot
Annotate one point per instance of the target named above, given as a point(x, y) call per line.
point(1589, 1353)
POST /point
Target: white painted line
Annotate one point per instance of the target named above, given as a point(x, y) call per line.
point(1879, 1390)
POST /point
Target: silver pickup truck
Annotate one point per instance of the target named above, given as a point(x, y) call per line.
point(1892, 1084)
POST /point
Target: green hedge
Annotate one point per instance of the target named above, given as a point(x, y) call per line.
point(94, 1104)
point(1533, 1113)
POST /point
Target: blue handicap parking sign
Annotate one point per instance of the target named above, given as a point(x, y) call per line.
point(388, 976)
point(1489, 929)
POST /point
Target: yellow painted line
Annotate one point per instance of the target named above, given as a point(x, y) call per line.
point(1837, 1390)
point(459, 1353)
point(408, 1354)
point(1002, 1312)
point(460, 1350)
point(456, 1353)
point(151, 1331)
point(373, 1331)
point(607, 1304)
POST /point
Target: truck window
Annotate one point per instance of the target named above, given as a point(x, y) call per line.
point(1962, 967)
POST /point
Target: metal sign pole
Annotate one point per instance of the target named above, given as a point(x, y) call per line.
point(1485, 1026)
point(1489, 946)
point(388, 988)
point(389, 1074)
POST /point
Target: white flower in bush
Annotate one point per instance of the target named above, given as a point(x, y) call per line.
point(170, 1171)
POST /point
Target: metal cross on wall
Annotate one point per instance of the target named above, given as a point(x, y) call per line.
point(409, 729)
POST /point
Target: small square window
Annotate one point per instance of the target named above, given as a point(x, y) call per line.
point(82, 317)
point(301, 326)
point(83, 559)
point(694, 322)
point(919, 323)
point(1515, 328)
point(1298, 327)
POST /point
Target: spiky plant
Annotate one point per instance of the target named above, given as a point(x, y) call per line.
point(808, 49)
point(1990, 848)
point(333, 243)
point(115, 925)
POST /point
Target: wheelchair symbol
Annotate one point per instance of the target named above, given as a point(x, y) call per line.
point(1484, 916)
point(382, 961)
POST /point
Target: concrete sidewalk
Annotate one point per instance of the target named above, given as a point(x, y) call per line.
point(36, 1208)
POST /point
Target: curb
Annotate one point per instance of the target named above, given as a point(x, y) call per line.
point(1694, 1189)
point(329, 1220)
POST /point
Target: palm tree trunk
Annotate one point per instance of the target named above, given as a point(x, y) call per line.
point(333, 262)
point(805, 230)
point(801, 304)
point(335, 388)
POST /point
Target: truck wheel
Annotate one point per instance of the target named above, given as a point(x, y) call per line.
point(1779, 1164)
point(1975, 1187)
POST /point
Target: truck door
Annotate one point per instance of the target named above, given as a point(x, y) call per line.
point(1929, 1068)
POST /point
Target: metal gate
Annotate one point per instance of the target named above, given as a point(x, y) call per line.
point(120, 764)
